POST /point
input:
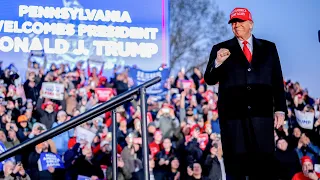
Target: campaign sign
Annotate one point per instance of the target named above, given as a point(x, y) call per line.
point(203, 140)
point(104, 94)
point(3, 149)
point(53, 90)
point(84, 135)
point(139, 77)
point(305, 119)
point(186, 84)
point(48, 159)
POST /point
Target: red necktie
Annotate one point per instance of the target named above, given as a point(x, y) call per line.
point(246, 51)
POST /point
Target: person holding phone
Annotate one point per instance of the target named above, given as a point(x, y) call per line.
point(308, 172)
point(251, 98)
point(17, 171)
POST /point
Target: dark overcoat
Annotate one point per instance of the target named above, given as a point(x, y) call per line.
point(249, 94)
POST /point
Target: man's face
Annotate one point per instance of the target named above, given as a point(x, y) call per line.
point(151, 129)
point(167, 143)
point(215, 116)
point(282, 145)
point(72, 92)
point(242, 29)
point(306, 167)
point(214, 151)
point(175, 164)
point(297, 132)
point(158, 137)
point(10, 105)
point(201, 123)
point(9, 166)
point(62, 118)
point(106, 148)
point(197, 170)
point(12, 134)
point(2, 137)
point(2, 109)
point(32, 77)
point(49, 108)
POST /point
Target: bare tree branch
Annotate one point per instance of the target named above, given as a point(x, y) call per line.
point(194, 28)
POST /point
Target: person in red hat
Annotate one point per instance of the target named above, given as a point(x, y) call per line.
point(251, 98)
point(308, 172)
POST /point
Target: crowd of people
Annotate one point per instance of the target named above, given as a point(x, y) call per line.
point(183, 130)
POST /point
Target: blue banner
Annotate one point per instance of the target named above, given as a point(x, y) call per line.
point(115, 32)
point(139, 77)
point(3, 149)
point(49, 160)
point(83, 177)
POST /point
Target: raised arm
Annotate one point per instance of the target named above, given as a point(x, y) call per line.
point(215, 65)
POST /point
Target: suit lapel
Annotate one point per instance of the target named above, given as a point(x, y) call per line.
point(256, 50)
point(236, 49)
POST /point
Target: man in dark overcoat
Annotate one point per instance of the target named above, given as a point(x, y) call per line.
point(251, 99)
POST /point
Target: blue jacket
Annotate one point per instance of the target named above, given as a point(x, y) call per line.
point(312, 151)
point(215, 126)
point(61, 140)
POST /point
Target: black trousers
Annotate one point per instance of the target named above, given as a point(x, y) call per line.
point(248, 147)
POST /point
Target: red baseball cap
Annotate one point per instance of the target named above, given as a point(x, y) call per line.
point(306, 159)
point(240, 14)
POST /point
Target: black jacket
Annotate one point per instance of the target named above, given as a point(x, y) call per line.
point(253, 89)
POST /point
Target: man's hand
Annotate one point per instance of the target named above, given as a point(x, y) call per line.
point(161, 162)
point(166, 162)
point(189, 171)
point(317, 123)
point(51, 169)
point(177, 176)
point(278, 120)
point(222, 55)
point(16, 169)
point(313, 176)
point(94, 177)
point(22, 172)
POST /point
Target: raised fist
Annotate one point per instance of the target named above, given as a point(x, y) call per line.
point(222, 55)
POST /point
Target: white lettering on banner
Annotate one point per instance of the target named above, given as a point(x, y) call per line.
point(305, 119)
point(145, 76)
point(24, 42)
point(28, 27)
point(51, 160)
point(132, 49)
point(17, 44)
point(53, 90)
point(117, 31)
point(74, 14)
point(66, 29)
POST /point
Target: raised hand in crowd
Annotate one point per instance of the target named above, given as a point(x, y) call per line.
point(39, 148)
point(51, 169)
point(317, 123)
point(11, 126)
point(189, 171)
point(177, 176)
